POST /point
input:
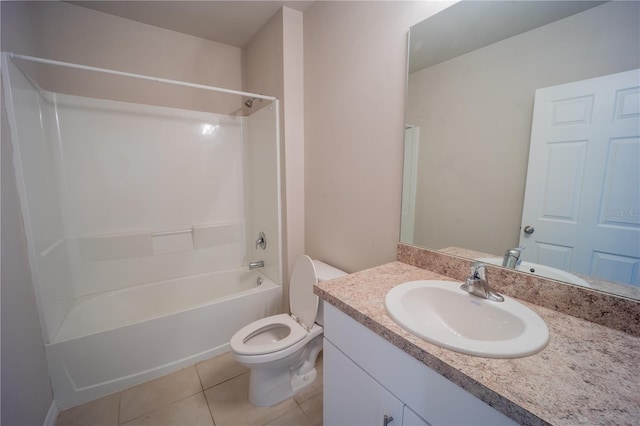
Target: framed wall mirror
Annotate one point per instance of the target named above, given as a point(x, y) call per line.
point(481, 165)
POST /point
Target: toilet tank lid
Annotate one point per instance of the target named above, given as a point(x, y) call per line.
point(326, 272)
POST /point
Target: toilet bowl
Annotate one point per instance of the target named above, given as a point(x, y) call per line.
point(281, 350)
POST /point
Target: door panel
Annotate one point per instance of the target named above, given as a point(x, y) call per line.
point(562, 190)
point(583, 179)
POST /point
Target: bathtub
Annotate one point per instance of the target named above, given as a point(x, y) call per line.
point(114, 340)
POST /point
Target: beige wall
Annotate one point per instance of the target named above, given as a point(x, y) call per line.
point(474, 114)
point(293, 138)
point(354, 82)
point(264, 60)
point(79, 35)
point(274, 66)
point(19, 29)
point(26, 392)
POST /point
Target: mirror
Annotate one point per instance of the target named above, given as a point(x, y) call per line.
point(474, 69)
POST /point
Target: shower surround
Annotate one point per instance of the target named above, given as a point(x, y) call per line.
point(140, 222)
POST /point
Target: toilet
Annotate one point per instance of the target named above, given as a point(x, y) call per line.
point(281, 350)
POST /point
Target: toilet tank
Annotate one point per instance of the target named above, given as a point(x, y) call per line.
point(325, 272)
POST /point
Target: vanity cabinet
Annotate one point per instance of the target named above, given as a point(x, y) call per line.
point(366, 378)
point(352, 397)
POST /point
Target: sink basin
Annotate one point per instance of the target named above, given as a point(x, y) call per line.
point(541, 270)
point(442, 314)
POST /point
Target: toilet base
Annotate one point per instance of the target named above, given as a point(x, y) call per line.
point(269, 386)
point(280, 387)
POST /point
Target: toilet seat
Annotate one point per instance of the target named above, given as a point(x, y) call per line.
point(262, 336)
point(302, 301)
point(241, 342)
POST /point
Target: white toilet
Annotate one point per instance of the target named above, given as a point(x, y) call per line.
point(281, 350)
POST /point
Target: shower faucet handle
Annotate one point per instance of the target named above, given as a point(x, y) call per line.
point(261, 241)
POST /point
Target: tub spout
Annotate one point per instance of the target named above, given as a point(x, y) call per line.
point(256, 265)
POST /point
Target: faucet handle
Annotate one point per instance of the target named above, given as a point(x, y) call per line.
point(478, 285)
point(261, 241)
point(479, 271)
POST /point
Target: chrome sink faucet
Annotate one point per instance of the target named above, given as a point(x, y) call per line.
point(478, 285)
point(512, 258)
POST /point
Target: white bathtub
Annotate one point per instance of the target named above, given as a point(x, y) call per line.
point(114, 340)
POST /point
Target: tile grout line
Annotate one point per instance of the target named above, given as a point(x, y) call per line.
point(204, 395)
point(206, 400)
point(164, 406)
point(307, 400)
point(303, 411)
point(119, 402)
point(199, 378)
point(226, 380)
point(209, 405)
point(160, 408)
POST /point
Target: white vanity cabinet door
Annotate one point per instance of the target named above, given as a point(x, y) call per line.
point(351, 397)
point(409, 418)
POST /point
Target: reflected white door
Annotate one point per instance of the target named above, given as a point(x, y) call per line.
point(582, 198)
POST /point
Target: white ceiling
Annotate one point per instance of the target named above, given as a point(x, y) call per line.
point(229, 22)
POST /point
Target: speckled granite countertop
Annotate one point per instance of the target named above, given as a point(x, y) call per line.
point(588, 373)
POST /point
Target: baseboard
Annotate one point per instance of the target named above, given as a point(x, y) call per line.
point(52, 415)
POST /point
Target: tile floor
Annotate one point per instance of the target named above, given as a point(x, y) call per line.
point(213, 392)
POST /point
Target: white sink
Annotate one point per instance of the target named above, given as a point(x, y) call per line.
point(541, 270)
point(440, 313)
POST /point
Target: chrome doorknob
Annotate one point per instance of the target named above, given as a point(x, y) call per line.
point(528, 229)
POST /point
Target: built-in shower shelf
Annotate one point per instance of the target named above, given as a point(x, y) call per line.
point(140, 244)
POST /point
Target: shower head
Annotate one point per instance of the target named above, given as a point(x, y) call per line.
point(249, 102)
